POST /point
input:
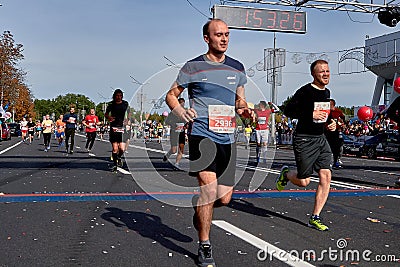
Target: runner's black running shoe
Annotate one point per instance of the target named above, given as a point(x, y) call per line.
point(205, 258)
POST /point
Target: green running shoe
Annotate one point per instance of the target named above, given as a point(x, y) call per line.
point(316, 223)
point(282, 180)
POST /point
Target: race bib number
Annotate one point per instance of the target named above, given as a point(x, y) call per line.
point(118, 130)
point(262, 120)
point(71, 120)
point(221, 118)
point(24, 128)
point(323, 106)
point(179, 127)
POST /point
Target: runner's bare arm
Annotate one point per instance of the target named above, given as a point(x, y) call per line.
point(241, 104)
point(172, 101)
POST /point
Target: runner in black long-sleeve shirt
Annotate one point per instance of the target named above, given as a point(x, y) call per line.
point(310, 105)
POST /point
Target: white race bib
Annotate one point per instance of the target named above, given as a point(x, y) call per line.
point(118, 130)
point(323, 106)
point(221, 118)
point(262, 120)
point(179, 127)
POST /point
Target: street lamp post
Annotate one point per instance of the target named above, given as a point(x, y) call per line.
point(104, 113)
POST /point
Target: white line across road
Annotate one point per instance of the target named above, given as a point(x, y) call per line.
point(11, 147)
point(265, 247)
point(381, 172)
point(123, 171)
point(313, 179)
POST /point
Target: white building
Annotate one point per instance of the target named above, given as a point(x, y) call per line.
point(382, 57)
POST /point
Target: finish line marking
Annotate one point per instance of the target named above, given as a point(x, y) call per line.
point(264, 246)
point(87, 197)
point(267, 170)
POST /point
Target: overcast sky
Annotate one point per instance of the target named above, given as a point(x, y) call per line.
point(91, 46)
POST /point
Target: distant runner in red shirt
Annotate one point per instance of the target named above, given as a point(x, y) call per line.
point(262, 130)
point(90, 122)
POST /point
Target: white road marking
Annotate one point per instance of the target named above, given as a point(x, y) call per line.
point(313, 179)
point(11, 147)
point(123, 171)
point(265, 247)
point(395, 196)
point(390, 173)
point(155, 150)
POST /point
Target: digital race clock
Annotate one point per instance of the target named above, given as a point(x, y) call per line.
point(261, 19)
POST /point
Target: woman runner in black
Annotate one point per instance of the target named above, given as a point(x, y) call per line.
point(117, 113)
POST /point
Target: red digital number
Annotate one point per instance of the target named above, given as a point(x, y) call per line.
point(284, 23)
point(254, 19)
point(297, 23)
point(257, 19)
point(272, 20)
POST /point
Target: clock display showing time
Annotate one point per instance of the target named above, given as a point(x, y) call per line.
point(261, 19)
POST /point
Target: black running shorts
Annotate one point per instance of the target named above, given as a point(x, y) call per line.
point(312, 152)
point(206, 155)
point(118, 137)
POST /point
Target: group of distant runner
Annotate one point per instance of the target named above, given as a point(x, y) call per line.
point(64, 129)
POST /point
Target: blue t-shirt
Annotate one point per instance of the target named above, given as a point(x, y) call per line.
point(211, 83)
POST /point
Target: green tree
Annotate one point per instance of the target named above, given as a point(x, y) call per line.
point(43, 107)
point(61, 105)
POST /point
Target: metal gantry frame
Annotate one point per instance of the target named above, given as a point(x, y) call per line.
point(364, 6)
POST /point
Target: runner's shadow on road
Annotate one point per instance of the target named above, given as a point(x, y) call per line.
point(149, 226)
point(245, 206)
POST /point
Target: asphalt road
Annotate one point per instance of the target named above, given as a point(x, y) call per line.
point(70, 210)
